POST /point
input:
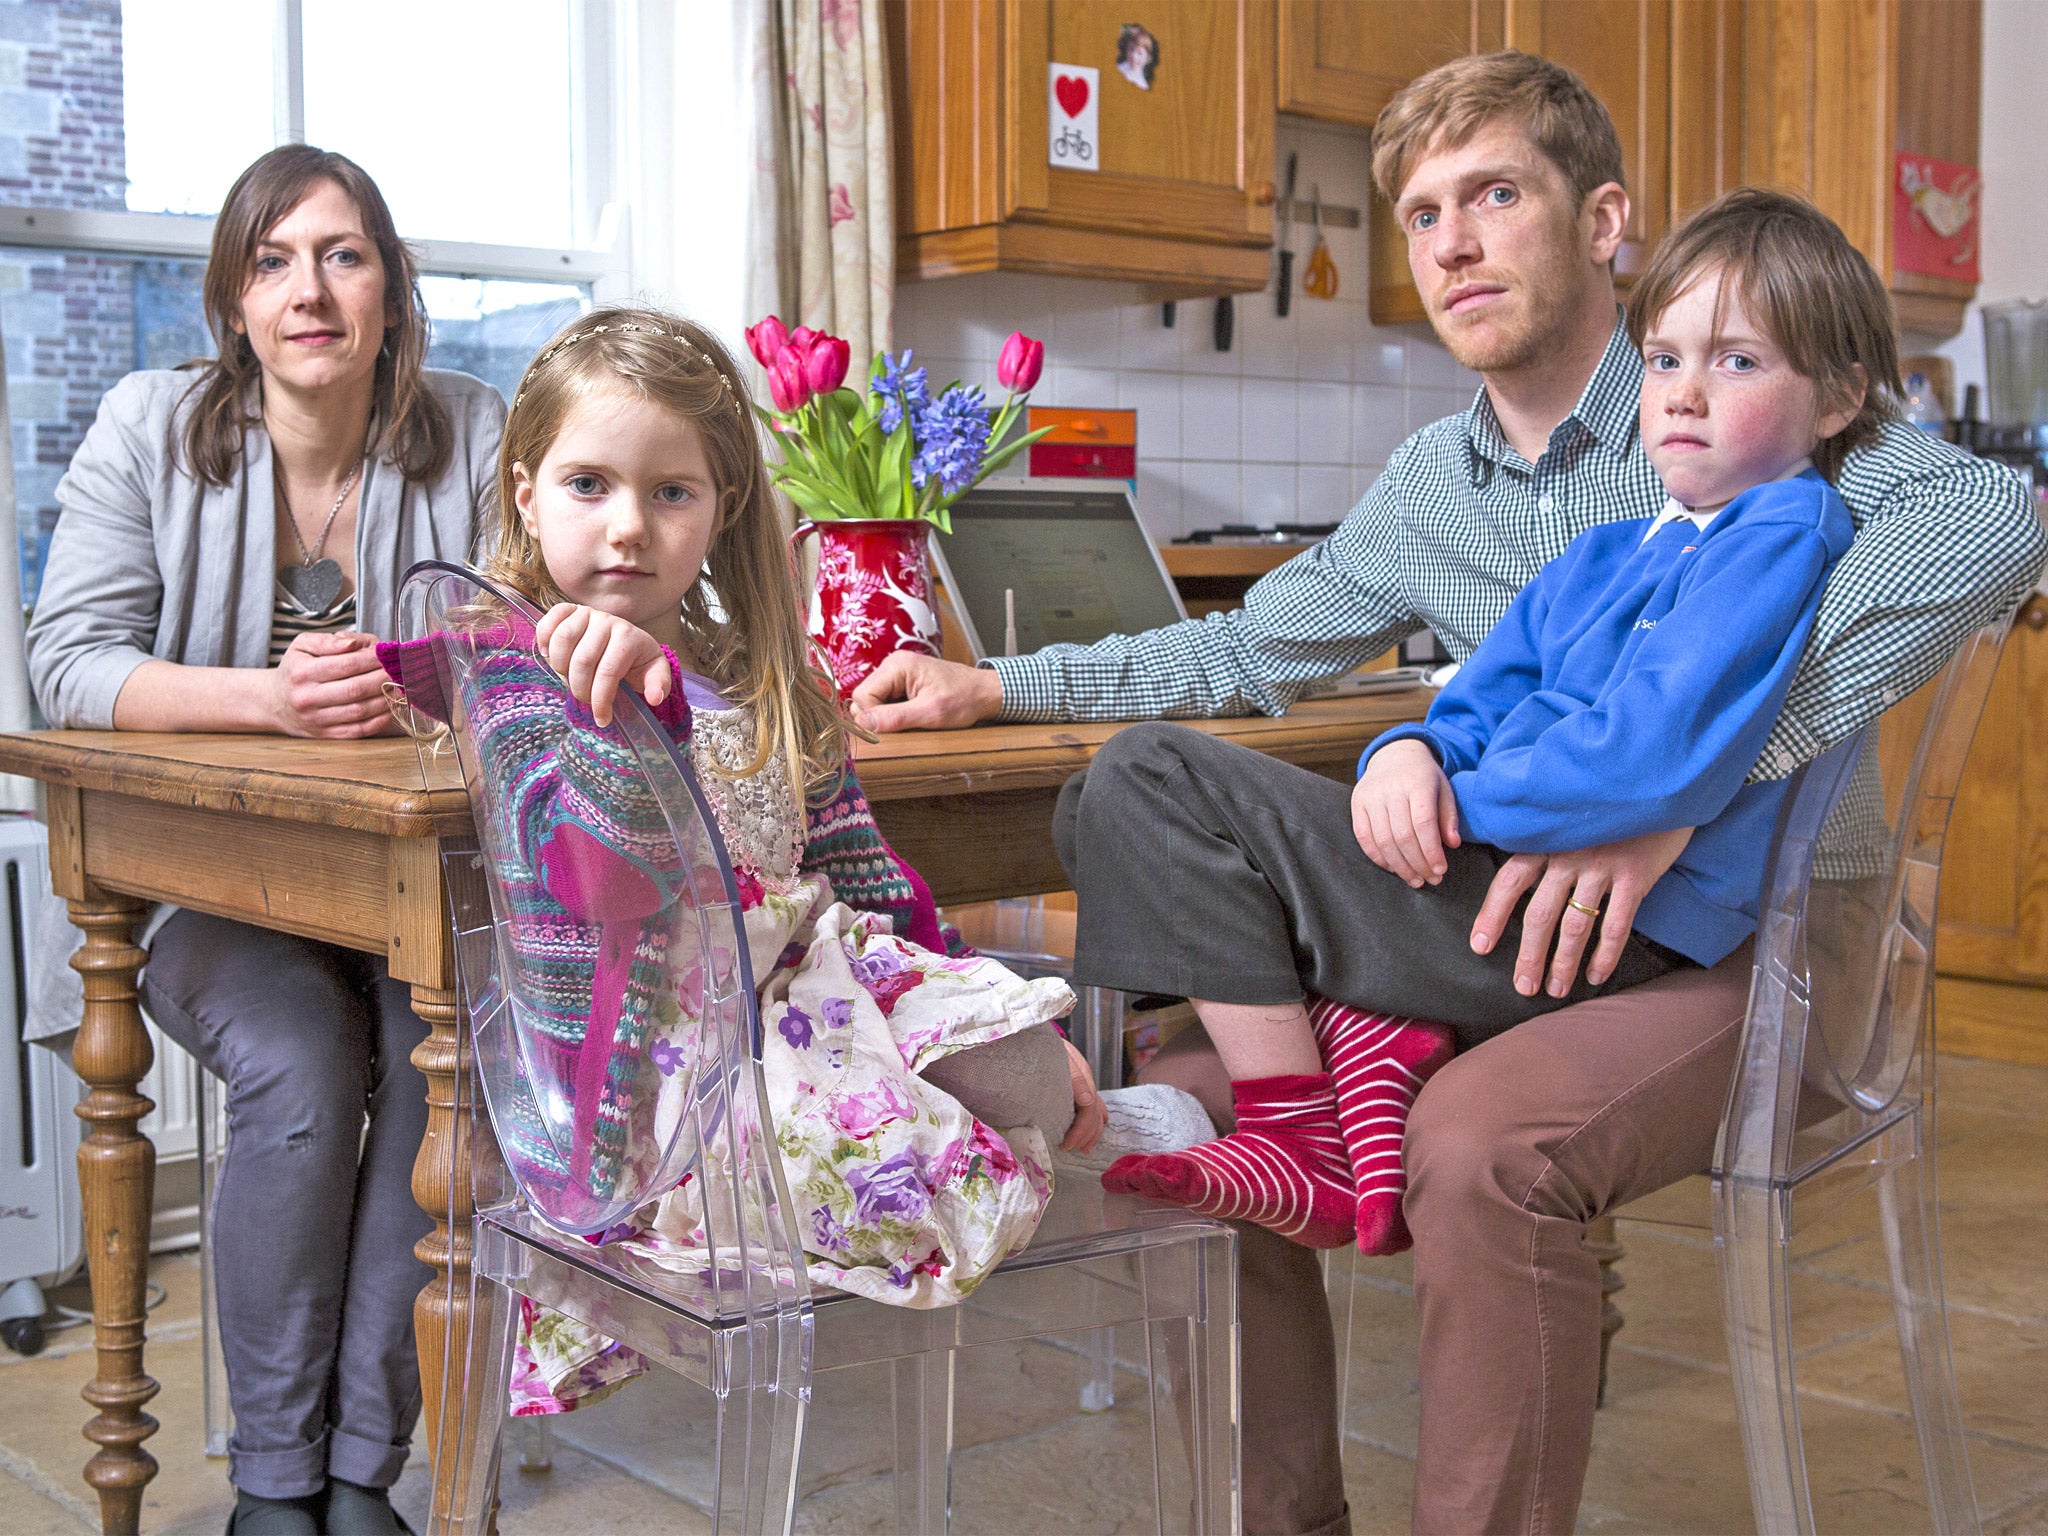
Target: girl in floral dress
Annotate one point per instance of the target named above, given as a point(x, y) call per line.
point(634, 501)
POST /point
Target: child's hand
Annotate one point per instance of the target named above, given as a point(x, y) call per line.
point(1404, 814)
point(596, 651)
point(1090, 1113)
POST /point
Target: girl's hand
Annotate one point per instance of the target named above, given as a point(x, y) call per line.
point(596, 651)
point(331, 686)
point(1090, 1113)
point(1404, 814)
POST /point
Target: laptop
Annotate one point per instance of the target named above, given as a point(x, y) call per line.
point(1031, 563)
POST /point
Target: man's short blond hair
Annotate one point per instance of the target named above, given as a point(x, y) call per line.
point(1446, 107)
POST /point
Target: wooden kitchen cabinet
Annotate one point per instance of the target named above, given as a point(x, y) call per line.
point(1342, 60)
point(1183, 196)
point(1833, 90)
point(1991, 946)
point(1665, 69)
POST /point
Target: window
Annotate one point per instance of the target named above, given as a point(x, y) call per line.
point(129, 122)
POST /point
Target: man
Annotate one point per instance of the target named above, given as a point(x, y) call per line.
point(1505, 174)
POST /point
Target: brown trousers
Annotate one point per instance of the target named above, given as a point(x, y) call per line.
point(1511, 1150)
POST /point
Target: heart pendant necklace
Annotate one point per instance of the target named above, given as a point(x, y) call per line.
point(314, 585)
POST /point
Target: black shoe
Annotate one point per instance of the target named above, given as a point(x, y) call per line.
point(353, 1510)
point(274, 1517)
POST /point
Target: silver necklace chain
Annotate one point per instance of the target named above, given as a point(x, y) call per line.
point(306, 558)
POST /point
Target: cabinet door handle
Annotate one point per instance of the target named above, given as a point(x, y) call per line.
point(2035, 614)
point(1261, 193)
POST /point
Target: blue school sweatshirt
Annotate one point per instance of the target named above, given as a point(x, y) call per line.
point(1630, 688)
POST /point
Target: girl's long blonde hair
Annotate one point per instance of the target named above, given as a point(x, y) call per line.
point(741, 619)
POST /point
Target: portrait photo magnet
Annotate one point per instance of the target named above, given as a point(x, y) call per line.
point(1070, 116)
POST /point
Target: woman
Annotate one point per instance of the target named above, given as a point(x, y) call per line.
point(231, 545)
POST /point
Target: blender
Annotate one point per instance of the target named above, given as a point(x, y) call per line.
point(2016, 365)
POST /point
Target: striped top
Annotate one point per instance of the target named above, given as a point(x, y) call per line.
point(287, 624)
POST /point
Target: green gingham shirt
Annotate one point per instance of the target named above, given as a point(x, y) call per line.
point(1459, 522)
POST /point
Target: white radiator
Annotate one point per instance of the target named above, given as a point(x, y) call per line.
point(39, 1208)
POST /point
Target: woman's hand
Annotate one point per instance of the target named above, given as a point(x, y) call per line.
point(1090, 1113)
point(331, 686)
point(1404, 814)
point(596, 651)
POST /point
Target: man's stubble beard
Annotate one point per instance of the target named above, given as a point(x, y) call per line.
point(1550, 294)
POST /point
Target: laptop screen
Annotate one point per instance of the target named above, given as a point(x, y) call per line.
point(1078, 561)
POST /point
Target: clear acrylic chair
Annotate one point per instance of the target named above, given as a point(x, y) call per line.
point(1834, 1090)
point(744, 1322)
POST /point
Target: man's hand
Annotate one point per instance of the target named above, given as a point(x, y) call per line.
point(1622, 873)
point(935, 695)
point(329, 685)
point(1404, 814)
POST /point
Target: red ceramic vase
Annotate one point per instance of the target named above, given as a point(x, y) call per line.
point(873, 593)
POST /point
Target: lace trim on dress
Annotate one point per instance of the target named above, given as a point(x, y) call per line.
point(764, 834)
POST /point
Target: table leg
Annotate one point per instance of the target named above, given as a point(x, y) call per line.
point(116, 1176)
point(441, 1184)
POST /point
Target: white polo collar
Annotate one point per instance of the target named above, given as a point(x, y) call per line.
point(1675, 509)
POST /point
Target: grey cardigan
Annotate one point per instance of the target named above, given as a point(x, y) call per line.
point(149, 561)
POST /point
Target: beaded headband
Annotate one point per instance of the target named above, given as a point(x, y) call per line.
point(573, 337)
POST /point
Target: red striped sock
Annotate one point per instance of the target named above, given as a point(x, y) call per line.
point(1284, 1167)
point(1378, 1063)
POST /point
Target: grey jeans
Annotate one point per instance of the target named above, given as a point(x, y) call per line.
point(314, 1218)
point(1206, 869)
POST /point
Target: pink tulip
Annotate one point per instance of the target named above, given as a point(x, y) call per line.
point(825, 366)
point(766, 340)
point(787, 386)
point(1021, 362)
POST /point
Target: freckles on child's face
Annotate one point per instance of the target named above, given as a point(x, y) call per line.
point(623, 505)
point(1722, 408)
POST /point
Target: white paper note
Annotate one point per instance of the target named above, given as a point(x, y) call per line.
point(1070, 112)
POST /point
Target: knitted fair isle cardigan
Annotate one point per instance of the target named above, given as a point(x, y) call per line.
point(592, 885)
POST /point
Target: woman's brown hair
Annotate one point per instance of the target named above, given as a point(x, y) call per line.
point(416, 431)
point(1799, 278)
point(741, 619)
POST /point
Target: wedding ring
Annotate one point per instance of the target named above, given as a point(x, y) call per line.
point(1579, 906)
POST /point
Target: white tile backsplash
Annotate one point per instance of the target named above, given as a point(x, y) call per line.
point(1323, 423)
point(1291, 425)
point(1270, 407)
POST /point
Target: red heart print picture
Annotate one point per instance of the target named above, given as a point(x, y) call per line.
point(1072, 91)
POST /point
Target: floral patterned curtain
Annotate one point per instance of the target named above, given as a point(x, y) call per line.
point(822, 231)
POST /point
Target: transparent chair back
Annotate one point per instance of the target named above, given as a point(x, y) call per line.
point(1834, 1088)
point(737, 1316)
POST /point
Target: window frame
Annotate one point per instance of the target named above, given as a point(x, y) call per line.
point(605, 264)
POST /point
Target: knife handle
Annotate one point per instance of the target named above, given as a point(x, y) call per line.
point(1286, 294)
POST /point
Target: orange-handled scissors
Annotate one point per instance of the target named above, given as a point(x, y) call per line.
point(1319, 279)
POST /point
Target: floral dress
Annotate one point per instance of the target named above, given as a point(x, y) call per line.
point(897, 1192)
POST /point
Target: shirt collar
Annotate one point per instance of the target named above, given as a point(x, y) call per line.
point(1674, 509)
point(1608, 410)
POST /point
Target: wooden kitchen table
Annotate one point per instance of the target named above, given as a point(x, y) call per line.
point(341, 841)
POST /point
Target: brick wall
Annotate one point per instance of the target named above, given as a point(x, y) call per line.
point(69, 320)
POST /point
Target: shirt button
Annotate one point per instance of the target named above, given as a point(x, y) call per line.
point(1546, 503)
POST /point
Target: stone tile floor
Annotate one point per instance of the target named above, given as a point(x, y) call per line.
point(1666, 1455)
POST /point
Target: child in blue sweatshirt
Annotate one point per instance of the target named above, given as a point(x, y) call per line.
point(1628, 690)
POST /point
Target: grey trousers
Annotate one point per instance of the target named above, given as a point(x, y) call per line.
point(314, 1218)
point(1205, 869)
